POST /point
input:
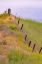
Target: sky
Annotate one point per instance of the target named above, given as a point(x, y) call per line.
point(25, 8)
point(21, 3)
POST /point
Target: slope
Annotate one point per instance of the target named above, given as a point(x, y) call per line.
point(13, 50)
point(33, 30)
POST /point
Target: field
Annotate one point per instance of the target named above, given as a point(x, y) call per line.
point(34, 31)
point(13, 50)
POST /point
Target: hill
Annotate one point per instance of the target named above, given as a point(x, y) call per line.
point(34, 31)
point(13, 49)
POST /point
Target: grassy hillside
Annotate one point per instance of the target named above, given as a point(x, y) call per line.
point(33, 30)
point(13, 50)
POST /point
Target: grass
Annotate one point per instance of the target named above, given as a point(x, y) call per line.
point(17, 57)
point(4, 15)
point(13, 48)
point(34, 31)
point(12, 26)
point(10, 38)
point(5, 18)
point(25, 47)
point(35, 58)
point(19, 36)
point(2, 62)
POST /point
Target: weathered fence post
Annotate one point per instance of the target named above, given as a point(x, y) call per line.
point(18, 21)
point(29, 43)
point(40, 50)
point(15, 15)
point(9, 11)
point(21, 26)
point(33, 47)
point(25, 37)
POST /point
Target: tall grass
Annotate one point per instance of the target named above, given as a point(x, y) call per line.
point(33, 30)
point(17, 57)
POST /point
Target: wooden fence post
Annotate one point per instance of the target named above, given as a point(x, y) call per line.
point(21, 26)
point(29, 43)
point(33, 47)
point(40, 50)
point(25, 37)
point(18, 21)
point(9, 11)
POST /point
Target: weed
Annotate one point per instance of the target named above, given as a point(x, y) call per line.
point(4, 42)
point(12, 26)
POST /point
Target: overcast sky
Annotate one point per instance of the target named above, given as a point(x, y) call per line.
point(28, 8)
point(21, 3)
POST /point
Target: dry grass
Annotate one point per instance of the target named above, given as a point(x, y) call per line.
point(12, 42)
point(7, 19)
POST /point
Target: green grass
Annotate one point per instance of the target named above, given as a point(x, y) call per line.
point(12, 26)
point(17, 57)
point(4, 15)
point(22, 54)
point(33, 30)
point(2, 62)
point(19, 36)
point(14, 30)
point(25, 47)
